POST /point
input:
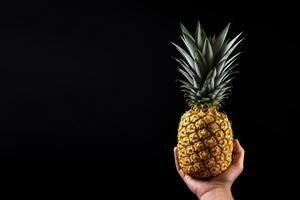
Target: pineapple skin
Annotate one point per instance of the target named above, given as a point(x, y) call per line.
point(205, 142)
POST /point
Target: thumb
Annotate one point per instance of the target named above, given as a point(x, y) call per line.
point(237, 164)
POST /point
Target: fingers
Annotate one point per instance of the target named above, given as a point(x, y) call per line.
point(176, 158)
point(180, 172)
point(239, 153)
point(237, 164)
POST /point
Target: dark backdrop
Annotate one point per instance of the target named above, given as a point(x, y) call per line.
point(95, 82)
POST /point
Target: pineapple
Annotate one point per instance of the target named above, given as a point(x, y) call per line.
point(205, 137)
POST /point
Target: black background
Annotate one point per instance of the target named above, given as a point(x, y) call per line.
point(95, 82)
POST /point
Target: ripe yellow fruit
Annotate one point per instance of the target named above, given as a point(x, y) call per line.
point(205, 142)
point(207, 64)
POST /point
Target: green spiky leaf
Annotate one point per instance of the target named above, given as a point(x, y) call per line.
point(220, 40)
point(208, 65)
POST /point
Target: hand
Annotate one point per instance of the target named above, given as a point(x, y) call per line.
point(222, 182)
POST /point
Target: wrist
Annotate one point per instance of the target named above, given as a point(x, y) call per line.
point(222, 193)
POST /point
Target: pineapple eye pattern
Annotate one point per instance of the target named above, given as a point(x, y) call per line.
point(203, 133)
point(198, 146)
point(190, 150)
point(204, 154)
point(209, 119)
point(199, 167)
point(191, 128)
point(190, 169)
point(210, 142)
point(226, 149)
point(224, 165)
point(185, 141)
point(182, 133)
point(195, 158)
point(194, 118)
point(220, 157)
point(182, 152)
point(223, 143)
point(215, 151)
point(213, 127)
point(200, 124)
point(215, 170)
point(228, 134)
point(186, 161)
point(219, 135)
point(223, 126)
point(229, 158)
point(209, 162)
point(194, 137)
point(186, 121)
point(204, 148)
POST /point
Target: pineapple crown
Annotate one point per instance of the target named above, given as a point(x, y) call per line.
point(207, 65)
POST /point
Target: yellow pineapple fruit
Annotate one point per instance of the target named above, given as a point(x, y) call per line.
point(205, 137)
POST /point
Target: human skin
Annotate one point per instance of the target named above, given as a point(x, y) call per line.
point(219, 187)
